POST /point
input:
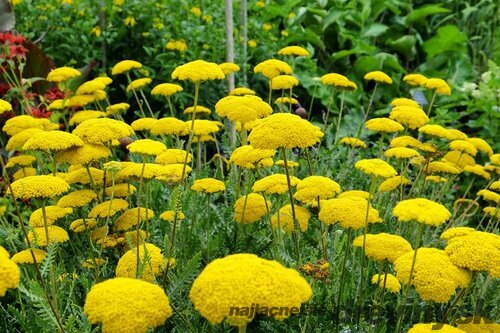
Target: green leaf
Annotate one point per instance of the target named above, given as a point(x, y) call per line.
point(358, 50)
point(448, 38)
point(307, 36)
point(404, 45)
point(375, 30)
point(424, 11)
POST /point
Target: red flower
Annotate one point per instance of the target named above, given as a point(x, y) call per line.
point(40, 113)
point(53, 94)
point(18, 51)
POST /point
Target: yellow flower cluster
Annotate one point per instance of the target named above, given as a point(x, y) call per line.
point(421, 210)
point(102, 130)
point(5, 106)
point(248, 157)
point(198, 71)
point(173, 156)
point(242, 108)
point(353, 142)
point(80, 116)
point(383, 246)
point(242, 91)
point(274, 184)
point(20, 123)
point(477, 324)
point(169, 126)
point(117, 108)
point(147, 147)
point(338, 81)
point(125, 66)
point(476, 250)
point(283, 82)
point(170, 214)
point(62, 74)
point(176, 45)
point(378, 76)
point(401, 152)
point(166, 89)
point(52, 141)
point(132, 217)
point(20, 160)
point(250, 208)
point(438, 85)
point(56, 235)
point(52, 214)
point(243, 280)
point(10, 274)
point(389, 281)
point(127, 303)
point(349, 212)
point(313, 187)
point(393, 183)
point(409, 116)
point(435, 328)
point(25, 256)
point(208, 185)
point(415, 79)
point(154, 265)
point(284, 130)
point(272, 67)
point(385, 125)
point(39, 187)
point(294, 51)
point(283, 219)
point(82, 225)
point(108, 208)
point(229, 67)
point(376, 167)
point(83, 155)
point(138, 84)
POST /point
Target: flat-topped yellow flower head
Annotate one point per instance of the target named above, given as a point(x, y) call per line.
point(125, 66)
point(294, 51)
point(39, 187)
point(421, 210)
point(378, 76)
point(272, 67)
point(198, 71)
point(62, 74)
point(242, 108)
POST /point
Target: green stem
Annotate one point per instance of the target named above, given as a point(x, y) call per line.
point(137, 235)
point(432, 103)
point(340, 117)
point(342, 279)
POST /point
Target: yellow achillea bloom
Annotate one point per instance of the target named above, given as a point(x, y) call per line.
point(166, 89)
point(89, 87)
point(178, 45)
point(274, 184)
point(124, 66)
point(170, 214)
point(10, 274)
point(286, 100)
point(354, 193)
point(62, 74)
point(401, 152)
point(455, 134)
point(108, 208)
point(442, 167)
point(200, 110)
point(349, 212)
point(120, 190)
point(459, 158)
point(147, 147)
point(23, 173)
point(81, 176)
point(294, 51)
point(103, 79)
point(198, 71)
point(5, 106)
point(20, 123)
point(203, 127)
point(132, 217)
point(25, 257)
point(93, 263)
point(438, 85)
point(272, 67)
point(117, 108)
point(83, 155)
point(312, 187)
point(353, 142)
point(476, 251)
point(378, 76)
point(250, 208)
point(249, 157)
point(169, 126)
point(52, 214)
point(242, 108)
point(245, 280)
point(405, 141)
point(383, 246)
point(495, 186)
point(477, 170)
point(144, 124)
point(383, 125)
point(291, 164)
point(284, 130)
point(56, 235)
point(80, 225)
point(492, 211)
point(151, 170)
point(284, 218)
point(208, 185)
point(463, 146)
point(435, 328)
point(401, 101)
point(409, 116)
point(154, 266)
point(376, 167)
point(80, 116)
point(4, 252)
point(390, 282)
point(20, 160)
point(284, 82)
point(39, 187)
point(196, 11)
point(421, 210)
point(435, 130)
point(173, 156)
point(393, 183)
point(102, 130)
point(338, 81)
point(481, 145)
point(242, 91)
point(17, 141)
point(52, 141)
point(415, 80)
point(477, 324)
point(138, 84)
point(57, 104)
point(116, 302)
point(229, 67)
point(456, 232)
